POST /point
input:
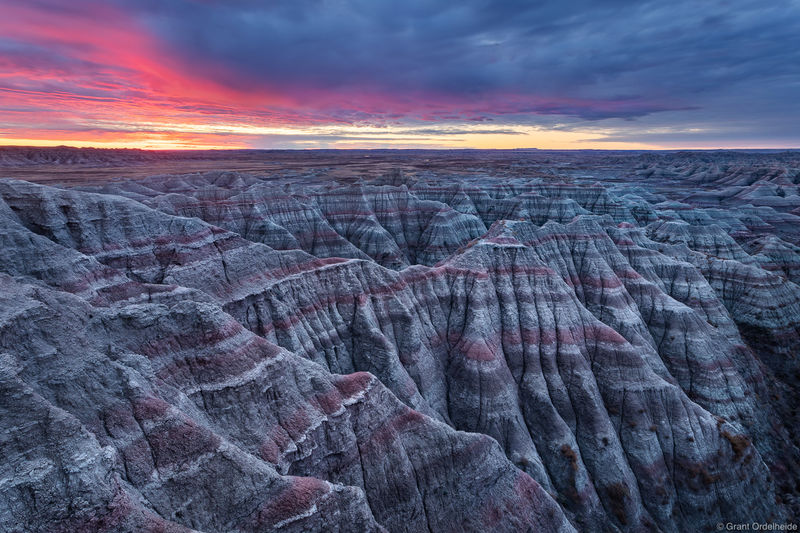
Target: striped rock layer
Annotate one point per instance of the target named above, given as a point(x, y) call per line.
point(229, 352)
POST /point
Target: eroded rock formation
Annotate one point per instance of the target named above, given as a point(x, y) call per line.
point(414, 352)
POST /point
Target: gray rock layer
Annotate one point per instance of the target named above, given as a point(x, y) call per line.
point(222, 352)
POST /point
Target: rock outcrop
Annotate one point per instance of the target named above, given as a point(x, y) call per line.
point(234, 352)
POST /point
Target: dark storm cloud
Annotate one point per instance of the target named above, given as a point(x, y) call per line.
point(590, 59)
point(703, 71)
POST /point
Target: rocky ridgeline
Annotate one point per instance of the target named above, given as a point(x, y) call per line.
point(229, 352)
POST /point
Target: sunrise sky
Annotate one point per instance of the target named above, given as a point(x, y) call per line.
point(410, 73)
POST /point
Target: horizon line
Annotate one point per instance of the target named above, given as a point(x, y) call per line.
point(405, 149)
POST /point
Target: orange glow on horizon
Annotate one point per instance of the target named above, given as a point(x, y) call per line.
point(99, 78)
point(119, 87)
point(151, 144)
point(192, 136)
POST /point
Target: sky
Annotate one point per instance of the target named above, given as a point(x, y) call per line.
point(610, 74)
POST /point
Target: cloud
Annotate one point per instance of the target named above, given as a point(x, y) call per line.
point(576, 58)
point(617, 66)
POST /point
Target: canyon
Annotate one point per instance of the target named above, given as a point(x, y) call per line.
point(396, 341)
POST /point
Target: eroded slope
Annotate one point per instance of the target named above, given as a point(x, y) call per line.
point(226, 352)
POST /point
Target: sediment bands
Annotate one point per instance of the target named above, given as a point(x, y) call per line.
point(229, 352)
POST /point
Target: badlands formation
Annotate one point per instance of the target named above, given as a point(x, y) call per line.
point(398, 341)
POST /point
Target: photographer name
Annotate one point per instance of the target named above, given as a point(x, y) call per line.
point(758, 526)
